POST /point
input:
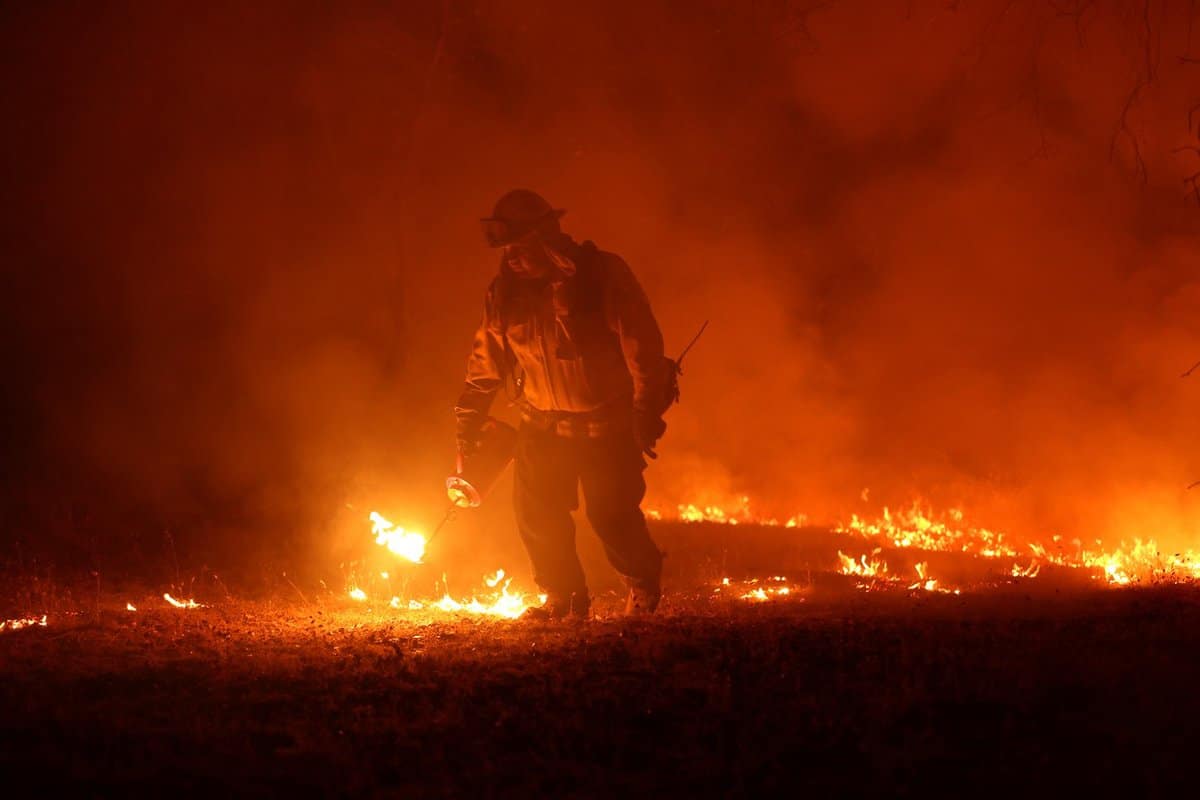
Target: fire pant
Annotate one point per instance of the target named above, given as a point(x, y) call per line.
point(549, 470)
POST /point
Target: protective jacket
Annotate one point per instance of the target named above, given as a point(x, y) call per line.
point(582, 341)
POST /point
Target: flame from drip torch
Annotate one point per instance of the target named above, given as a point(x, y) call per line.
point(406, 544)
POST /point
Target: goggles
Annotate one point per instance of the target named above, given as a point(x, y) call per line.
point(499, 232)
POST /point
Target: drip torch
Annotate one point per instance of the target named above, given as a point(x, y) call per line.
point(477, 475)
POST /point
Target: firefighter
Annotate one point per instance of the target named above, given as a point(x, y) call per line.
point(569, 327)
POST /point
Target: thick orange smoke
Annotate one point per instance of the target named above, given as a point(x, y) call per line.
point(947, 252)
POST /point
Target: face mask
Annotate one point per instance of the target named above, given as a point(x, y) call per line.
point(527, 258)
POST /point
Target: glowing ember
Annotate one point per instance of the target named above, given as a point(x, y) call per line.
point(358, 594)
point(759, 593)
point(130, 607)
point(405, 544)
point(181, 603)
point(25, 622)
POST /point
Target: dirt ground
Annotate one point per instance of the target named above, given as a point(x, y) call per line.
point(1026, 687)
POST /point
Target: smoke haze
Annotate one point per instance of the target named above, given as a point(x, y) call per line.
point(948, 251)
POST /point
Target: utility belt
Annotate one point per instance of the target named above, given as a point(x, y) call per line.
point(594, 424)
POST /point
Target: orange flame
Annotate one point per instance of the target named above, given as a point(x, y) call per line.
point(773, 588)
point(23, 622)
point(918, 528)
point(406, 544)
point(875, 568)
point(504, 603)
point(181, 603)
point(1030, 571)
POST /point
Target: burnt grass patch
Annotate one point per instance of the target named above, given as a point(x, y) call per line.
point(837, 691)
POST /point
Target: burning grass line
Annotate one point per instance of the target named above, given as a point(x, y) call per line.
point(22, 622)
point(919, 529)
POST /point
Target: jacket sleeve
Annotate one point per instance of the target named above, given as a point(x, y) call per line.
point(630, 317)
point(485, 369)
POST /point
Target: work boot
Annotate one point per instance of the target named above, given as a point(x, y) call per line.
point(557, 607)
point(642, 600)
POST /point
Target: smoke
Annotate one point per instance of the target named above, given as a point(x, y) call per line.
point(947, 253)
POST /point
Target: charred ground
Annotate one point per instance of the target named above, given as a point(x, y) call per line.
point(832, 689)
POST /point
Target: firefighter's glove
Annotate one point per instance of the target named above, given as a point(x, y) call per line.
point(647, 430)
point(468, 440)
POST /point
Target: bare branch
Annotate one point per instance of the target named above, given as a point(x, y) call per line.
point(984, 40)
point(1077, 13)
point(794, 29)
point(1186, 58)
point(1148, 43)
point(1035, 83)
point(1123, 128)
point(1194, 182)
point(1189, 372)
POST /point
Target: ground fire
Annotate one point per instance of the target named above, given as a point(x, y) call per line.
point(913, 529)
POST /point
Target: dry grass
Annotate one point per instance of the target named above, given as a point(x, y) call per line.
point(838, 691)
